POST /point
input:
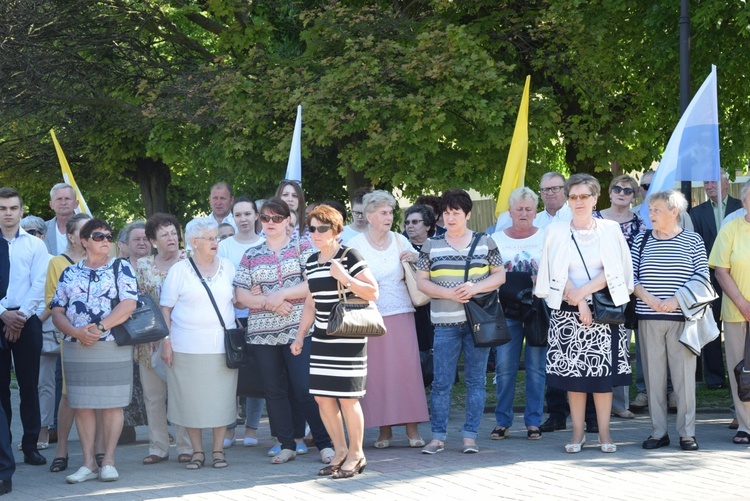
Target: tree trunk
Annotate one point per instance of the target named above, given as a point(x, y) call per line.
point(153, 178)
point(354, 181)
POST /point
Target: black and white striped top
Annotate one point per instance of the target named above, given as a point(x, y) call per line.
point(665, 267)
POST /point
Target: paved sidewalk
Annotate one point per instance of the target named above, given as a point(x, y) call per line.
point(514, 468)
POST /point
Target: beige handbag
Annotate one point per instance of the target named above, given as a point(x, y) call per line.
point(418, 298)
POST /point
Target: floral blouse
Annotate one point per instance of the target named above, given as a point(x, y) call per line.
point(629, 228)
point(87, 294)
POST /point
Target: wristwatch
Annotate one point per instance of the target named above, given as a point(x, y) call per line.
point(100, 327)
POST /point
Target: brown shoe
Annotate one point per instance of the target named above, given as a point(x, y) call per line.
point(153, 459)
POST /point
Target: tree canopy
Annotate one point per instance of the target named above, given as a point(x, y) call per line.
point(155, 100)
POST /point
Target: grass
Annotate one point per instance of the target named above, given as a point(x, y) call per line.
point(705, 398)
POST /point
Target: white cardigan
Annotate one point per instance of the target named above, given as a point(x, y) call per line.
point(559, 249)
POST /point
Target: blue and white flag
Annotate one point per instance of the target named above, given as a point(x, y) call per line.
point(294, 166)
point(692, 153)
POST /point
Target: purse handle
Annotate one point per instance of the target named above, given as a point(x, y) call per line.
point(339, 288)
point(475, 241)
point(210, 296)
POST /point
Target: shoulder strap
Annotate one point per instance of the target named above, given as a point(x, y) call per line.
point(210, 296)
point(115, 267)
point(477, 236)
point(646, 234)
point(579, 253)
point(68, 258)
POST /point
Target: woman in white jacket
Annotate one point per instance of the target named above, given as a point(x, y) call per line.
point(581, 257)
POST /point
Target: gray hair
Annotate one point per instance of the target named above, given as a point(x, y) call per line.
point(585, 179)
point(199, 225)
point(34, 222)
point(124, 235)
point(672, 198)
point(550, 175)
point(522, 193)
point(377, 199)
point(60, 186)
point(745, 191)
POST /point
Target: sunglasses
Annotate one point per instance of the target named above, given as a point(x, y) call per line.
point(33, 232)
point(320, 229)
point(646, 186)
point(620, 189)
point(98, 236)
point(585, 196)
point(275, 218)
point(412, 221)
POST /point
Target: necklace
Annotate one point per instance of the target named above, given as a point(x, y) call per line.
point(209, 275)
point(377, 246)
point(585, 236)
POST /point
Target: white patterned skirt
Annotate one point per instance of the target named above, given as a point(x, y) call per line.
point(585, 359)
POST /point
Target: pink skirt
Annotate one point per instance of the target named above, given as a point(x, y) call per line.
point(395, 391)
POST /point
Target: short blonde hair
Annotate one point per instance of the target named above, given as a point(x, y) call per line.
point(522, 193)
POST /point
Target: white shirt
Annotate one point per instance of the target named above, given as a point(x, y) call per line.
point(195, 328)
point(233, 250)
point(28, 274)
point(62, 240)
point(229, 219)
point(347, 234)
point(734, 215)
point(544, 218)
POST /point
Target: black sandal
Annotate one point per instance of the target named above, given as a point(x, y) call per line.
point(499, 433)
point(741, 438)
point(196, 464)
point(59, 464)
point(534, 434)
point(220, 462)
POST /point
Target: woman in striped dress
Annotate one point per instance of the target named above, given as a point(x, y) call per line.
point(338, 366)
point(671, 256)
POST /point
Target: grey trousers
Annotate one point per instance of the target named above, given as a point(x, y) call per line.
point(661, 350)
point(734, 345)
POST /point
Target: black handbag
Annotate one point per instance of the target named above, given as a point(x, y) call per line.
point(428, 371)
point(235, 347)
point(516, 282)
point(354, 317)
point(603, 309)
point(536, 318)
point(484, 313)
point(145, 325)
point(742, 370)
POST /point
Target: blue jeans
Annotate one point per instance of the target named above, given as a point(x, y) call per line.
point(450, 340)
point(508, 358)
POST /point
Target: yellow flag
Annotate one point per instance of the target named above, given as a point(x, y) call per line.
point(68, 175)
point(515, 166)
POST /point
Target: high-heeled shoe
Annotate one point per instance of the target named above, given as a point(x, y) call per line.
point(330, 469)
point(573, 448)
point(358, 468)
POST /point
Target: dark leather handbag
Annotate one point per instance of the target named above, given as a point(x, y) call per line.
point(235, 349)
point(354, 317)
point(510, 293)
point(742, 370)
point(145, 325)
point(428, 372)
point(603, 308)
point(484, 313)
point(536, 318)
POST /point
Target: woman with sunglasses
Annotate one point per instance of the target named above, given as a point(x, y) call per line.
point(579, 258)
point(82, 310)
point(338, 365)
point(275, 269)
point(622, 192)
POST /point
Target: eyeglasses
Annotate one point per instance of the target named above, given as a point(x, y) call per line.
point(551, 189)
point(358, 213)
point(275, 218)
point(209, 239)
point(620, 189)
point(98, 236)
point(33, 232)
point(584, 196)
point(645, 186)
point(320, 229)
point(412, 221)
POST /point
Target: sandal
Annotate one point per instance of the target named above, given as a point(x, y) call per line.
point(499, 433)
point(533, 433)
point(284, 456)
point(59, 464)
point(741, 438)
point(99, 458)
point(196, 464)
point(153, 459)
point(220, 462)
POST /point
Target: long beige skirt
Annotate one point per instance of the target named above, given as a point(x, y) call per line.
point(202, 391)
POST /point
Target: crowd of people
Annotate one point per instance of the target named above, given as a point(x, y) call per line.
point(275, 268)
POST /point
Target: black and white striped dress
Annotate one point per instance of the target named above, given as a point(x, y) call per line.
point(338, 366)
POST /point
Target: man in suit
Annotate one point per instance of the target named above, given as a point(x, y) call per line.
point(706, 221)
point(62, 200)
